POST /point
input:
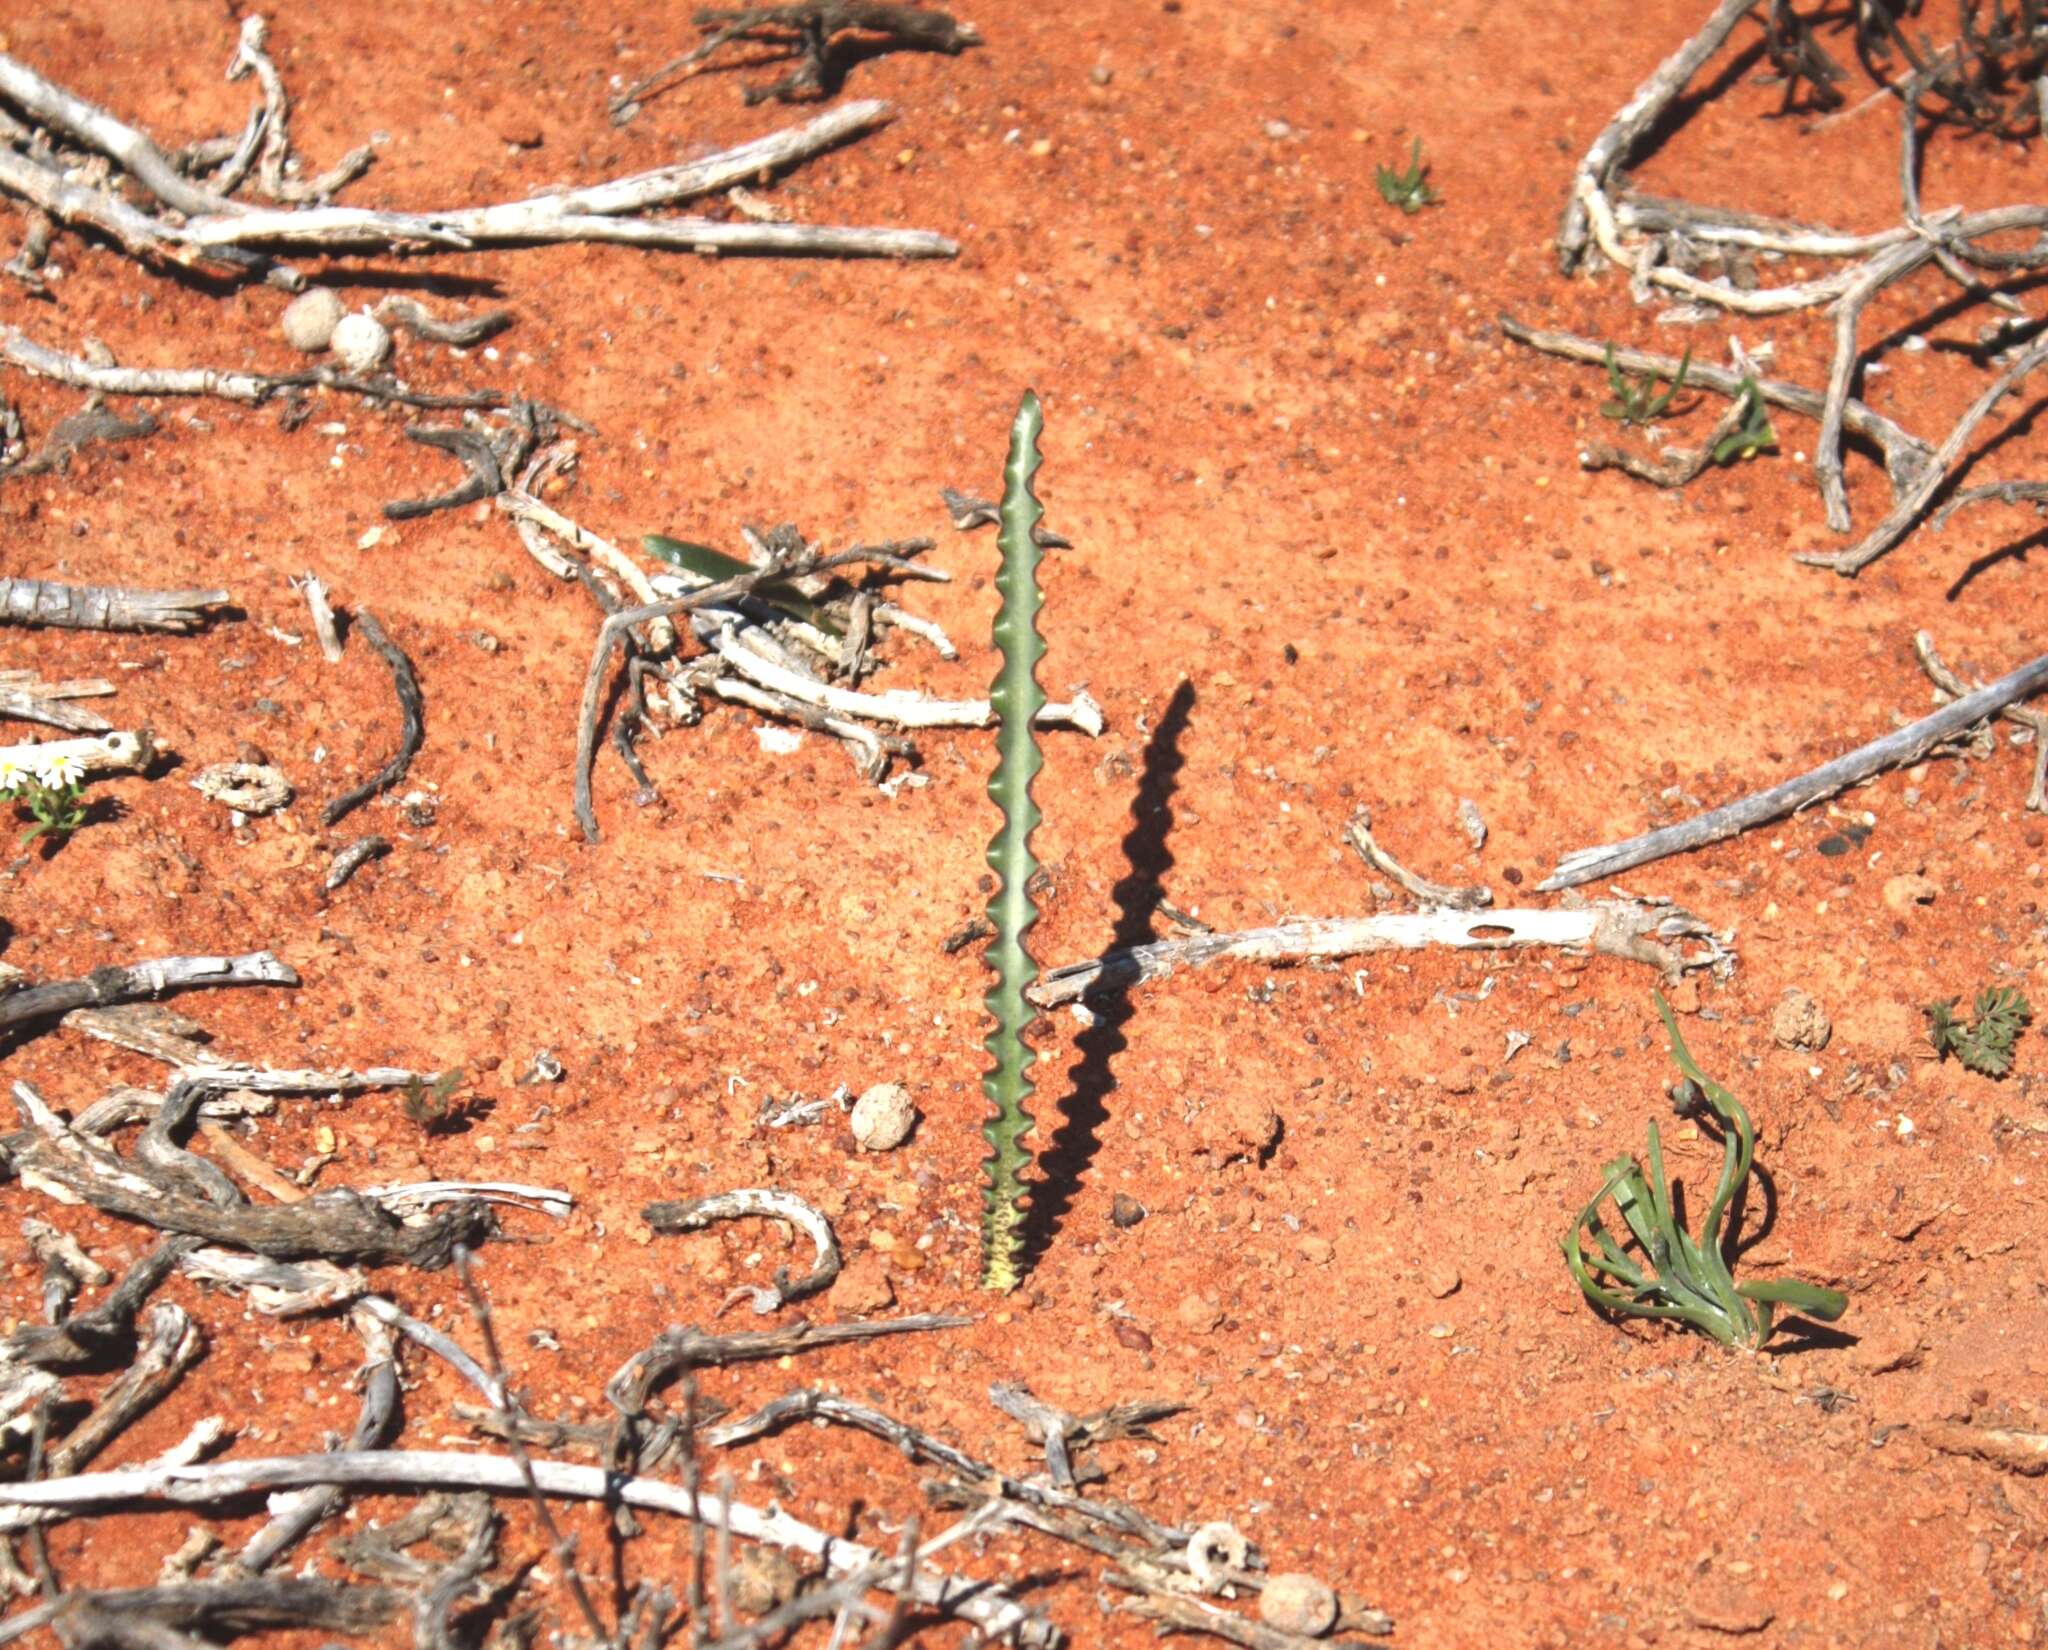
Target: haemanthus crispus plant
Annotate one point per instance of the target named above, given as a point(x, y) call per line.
point(1017, 699)
point(1673, 1274)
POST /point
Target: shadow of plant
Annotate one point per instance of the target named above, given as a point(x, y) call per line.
point(1092, 1077)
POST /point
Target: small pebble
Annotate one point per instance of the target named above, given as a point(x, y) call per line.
point(763, 1579)
point(1278, 129)
point(1442, 1281)
point(1909, 889)
point(361, 343)
point(1800, 1022)
point(310, 319)
point(883, 1118)
point(1297, 1603)
point(1125, 1211)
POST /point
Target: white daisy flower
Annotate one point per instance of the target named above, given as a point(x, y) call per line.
point(13, 773)
point(62, 770)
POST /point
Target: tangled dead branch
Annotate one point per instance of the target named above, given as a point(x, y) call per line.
point(201, 225)
point(1705, 255)
point(782, 633)
point(809, 34)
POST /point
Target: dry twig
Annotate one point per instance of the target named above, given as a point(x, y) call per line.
point(765, 1203)
point(1640, 932)
point(411, 710)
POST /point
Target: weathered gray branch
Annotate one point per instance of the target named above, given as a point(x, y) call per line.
point(1894, 750)
point(1650, 934)
point(134, 982)
point(104, 607)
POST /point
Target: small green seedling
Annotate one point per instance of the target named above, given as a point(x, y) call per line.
point(433, 1105)
point(1985, 1044)
point(1017, 699)
point(1754, 435)
point(1637, 400)
point(1672, 1274)
point(1408, 190)
point(56, 807)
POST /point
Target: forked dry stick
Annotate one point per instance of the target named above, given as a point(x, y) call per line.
point(1907, 744)
point(1906, 513)
point(1611, 148)
point(2032, 720)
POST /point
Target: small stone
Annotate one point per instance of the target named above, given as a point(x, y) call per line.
point(520, 133)
point(1885, 1354)
point(1462, 1078)
point(883, 1118)
point(1101, 74)
point(1130, 1335)
point(1909, 889)
point(1235, 1125)
point(1198, 1314)
point(1726, 1607)
point(1278, 129)
point(1125, 1211)
point(1441, 1281)
point(1297, 1603)
point(863, 1285)
point(310, 319)
point(1799, 1022)
point(763, 1579)
point(1472, 822)
point(361, 342)
point(1317, 1251)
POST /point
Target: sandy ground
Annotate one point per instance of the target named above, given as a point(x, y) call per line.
point(1332, 550)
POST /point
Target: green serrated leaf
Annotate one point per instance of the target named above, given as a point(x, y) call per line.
point(1016, 699)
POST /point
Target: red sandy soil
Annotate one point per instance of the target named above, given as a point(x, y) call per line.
point(1305, 475)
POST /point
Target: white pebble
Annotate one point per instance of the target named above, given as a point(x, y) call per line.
point(882, 1118)
point(361, 342)
point(1298, 1604)
point(310, 319)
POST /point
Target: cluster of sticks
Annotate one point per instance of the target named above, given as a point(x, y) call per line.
point(68, 160)
point(65, 161)
point(1987, 78)
point(1705, 256)
point(303, 1253)
point(781, 633)
point(105, 749)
